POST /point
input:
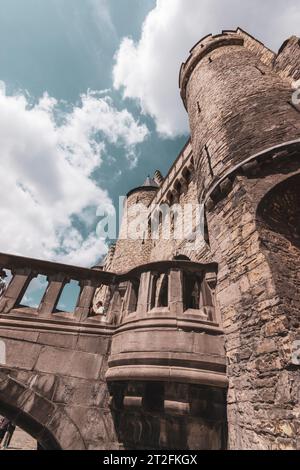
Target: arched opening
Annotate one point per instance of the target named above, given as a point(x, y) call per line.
point(128, 299)
point(279, 210)
point(278, 224)
point(178, 188)
point(15, 438)
point(26, 433)
point(154, 290)
point(170, 198)
point(191, 291)
point(34, 292)
point(187, 175)
point(46, 422)
point(133, 293)
point(163, 286)
point(69, 297)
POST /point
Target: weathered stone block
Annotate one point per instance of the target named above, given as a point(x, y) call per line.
point(69, 363)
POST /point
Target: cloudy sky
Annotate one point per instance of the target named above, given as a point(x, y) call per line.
point(89, 105)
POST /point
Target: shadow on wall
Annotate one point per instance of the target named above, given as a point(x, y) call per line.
point(157, 415)
point(279, 212)
point(278, 223)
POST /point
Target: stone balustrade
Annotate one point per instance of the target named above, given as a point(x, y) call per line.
point(169, 327)
point(162, 316)
point(24, 270)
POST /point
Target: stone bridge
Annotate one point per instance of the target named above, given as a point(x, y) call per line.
point(148, 374)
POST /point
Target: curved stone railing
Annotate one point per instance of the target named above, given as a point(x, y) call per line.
point(168, 327)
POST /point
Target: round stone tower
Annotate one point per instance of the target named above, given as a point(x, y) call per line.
point(131, 251)
point(238, 105)
point(245, 133)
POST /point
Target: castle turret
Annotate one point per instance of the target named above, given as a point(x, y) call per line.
point(158, 178)
point(245, 133)
point(131, 252)
point(238, 104)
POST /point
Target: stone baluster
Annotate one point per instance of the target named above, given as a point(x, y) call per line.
point(16, 289)
point(152, 291)
point(160, 278)
point(115, 306)
point(207, 300)
point(130, 300)
point(56, 283)
point(85, 299)
point(144, 297)
point(175, 294)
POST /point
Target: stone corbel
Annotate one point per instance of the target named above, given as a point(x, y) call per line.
point(175, 294)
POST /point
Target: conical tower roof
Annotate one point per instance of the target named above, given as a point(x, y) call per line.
point(150, 182)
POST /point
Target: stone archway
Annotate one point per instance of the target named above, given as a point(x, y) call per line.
point(37, 416)
point(279, 211)
point(278, 225)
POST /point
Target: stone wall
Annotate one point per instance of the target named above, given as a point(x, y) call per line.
point(53, 387)
point(238, 96)
point(258, 294)
point(166, 247)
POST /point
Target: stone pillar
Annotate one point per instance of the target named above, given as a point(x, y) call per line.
point(175, 294)
point(114, 310)
point(52, 294)
point(144, 293)
point(16, 289)
point(207, 296)
point(88, 289)
point(130, 300)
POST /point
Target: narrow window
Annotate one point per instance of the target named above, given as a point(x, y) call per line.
point(34, 292)
point(69, 297)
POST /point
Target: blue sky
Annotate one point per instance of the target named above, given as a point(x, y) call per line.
point(89, 106)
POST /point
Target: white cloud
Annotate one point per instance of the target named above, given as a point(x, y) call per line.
point(47, 160)
point(148, 70)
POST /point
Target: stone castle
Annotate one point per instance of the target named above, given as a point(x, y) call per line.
point(199, 344)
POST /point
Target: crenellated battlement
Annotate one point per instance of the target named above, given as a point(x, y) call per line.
point(238, 96)
point(210, 43)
